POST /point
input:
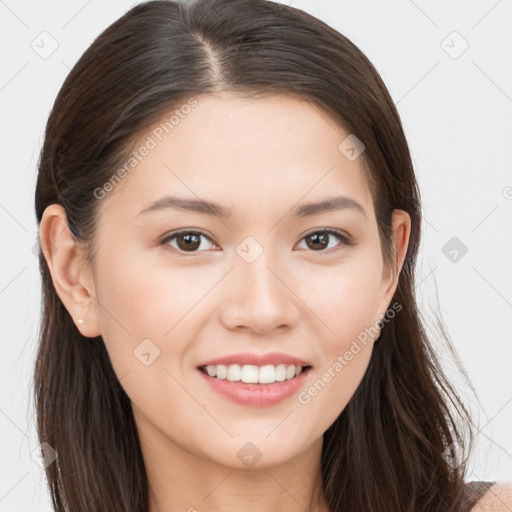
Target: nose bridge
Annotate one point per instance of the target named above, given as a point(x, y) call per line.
point(262, 299)
point(256, 268)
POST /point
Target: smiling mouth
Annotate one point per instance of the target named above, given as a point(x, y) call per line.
point(252, 374)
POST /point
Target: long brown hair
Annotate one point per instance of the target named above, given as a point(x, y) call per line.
point(392, 448)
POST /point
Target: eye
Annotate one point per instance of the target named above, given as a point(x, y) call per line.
point(319, 239)
point(188, 241)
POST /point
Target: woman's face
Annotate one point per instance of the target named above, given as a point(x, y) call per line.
point(260, 279)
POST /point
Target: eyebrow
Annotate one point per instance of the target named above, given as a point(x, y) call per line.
point(210, 208)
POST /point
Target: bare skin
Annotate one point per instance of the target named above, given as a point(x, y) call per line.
point(260, 159)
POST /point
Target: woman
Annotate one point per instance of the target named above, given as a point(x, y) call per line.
point(229, 223)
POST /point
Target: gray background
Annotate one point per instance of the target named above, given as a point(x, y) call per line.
point(456, 107)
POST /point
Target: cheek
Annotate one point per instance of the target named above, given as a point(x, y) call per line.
point(144, 318)
point(332, 386)
point(346, 304)
point(143, 301)
point(345, 301)
point(133, 308)
point(135, 293)
point(345, 298)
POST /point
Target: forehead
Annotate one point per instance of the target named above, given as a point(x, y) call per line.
point(237, 150)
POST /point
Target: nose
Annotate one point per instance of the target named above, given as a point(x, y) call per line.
point(258, 297)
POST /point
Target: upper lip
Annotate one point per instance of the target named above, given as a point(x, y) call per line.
point(274, 358)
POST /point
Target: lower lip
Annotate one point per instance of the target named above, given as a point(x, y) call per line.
point(259, 395)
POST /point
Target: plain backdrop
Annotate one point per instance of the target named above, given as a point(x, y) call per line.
point(448, 66)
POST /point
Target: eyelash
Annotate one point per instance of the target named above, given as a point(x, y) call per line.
point(346, 240)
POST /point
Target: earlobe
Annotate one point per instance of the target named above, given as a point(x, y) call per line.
point(72, 282)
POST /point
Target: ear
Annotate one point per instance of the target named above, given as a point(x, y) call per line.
point(401, 222)
point(72, 278)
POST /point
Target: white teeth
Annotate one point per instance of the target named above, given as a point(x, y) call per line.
point(252, 374)
point(249, 373)
point(280, 372)
point(234, 372)
point(222, 373)
point(267, 374)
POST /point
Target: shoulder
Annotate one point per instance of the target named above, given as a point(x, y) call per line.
point(498, 498)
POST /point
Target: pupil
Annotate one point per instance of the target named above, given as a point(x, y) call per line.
point(315, 237)
point(188, 237)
